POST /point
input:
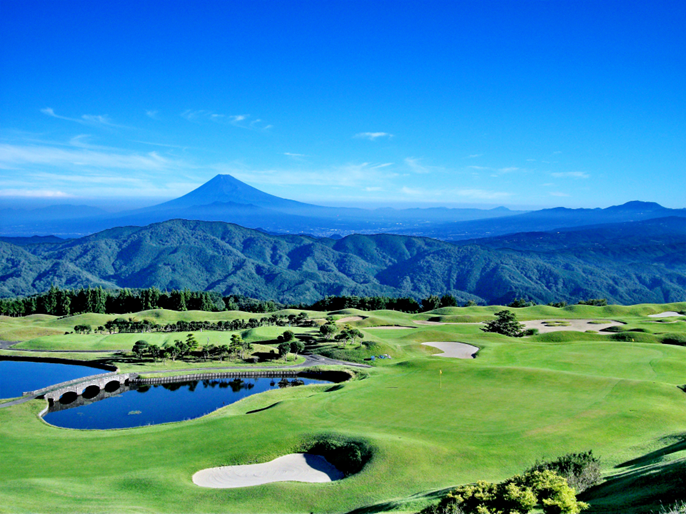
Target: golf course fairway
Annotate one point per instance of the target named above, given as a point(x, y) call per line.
point(485, 418)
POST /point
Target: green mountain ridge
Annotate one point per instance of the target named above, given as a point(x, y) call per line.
point(627, 263)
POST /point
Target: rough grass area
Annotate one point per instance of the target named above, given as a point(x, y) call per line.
point(431, 424)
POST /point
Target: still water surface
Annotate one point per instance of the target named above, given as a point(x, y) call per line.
point(164, 403)
point(17, 377)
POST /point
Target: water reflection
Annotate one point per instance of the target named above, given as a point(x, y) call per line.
point(17, 377)
point(158, 403)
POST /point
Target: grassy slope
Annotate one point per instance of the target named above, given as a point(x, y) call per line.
point(488, 418)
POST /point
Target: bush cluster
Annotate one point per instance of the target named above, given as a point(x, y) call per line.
point(347, 455)
point(678, 339)
point(517, 495)
point(551, 486)
point(506, 324)
point(581, 470)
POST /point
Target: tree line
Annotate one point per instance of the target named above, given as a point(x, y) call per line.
point(133, 326)
point(65, 302)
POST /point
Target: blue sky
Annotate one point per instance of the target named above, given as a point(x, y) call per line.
point(520, 103)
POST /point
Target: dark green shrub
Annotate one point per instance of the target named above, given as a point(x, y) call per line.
point(521, 302)
point(613, 329)
point(505, 324)
point(531, 332)
point(678, 339)
point(596, 302)
point(347, 455)
point(634, 337)
point(581, 470)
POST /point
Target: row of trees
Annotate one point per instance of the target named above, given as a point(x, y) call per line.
point(375, 303)
point(133, 326)
point(523, 302)
point(236, 349)
point(191, 348)
point(63, 302)
point(345, 335)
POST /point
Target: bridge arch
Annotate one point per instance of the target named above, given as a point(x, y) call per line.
point(68, 397)
point(91, 391)
point(113, 385)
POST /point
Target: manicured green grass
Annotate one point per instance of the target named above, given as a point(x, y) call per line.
point(126, 341)
point(520, 400)
point(147, 366)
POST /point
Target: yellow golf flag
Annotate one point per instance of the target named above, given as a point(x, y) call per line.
point(440, 371)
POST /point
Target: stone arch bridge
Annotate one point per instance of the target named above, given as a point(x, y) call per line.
point(86, 387)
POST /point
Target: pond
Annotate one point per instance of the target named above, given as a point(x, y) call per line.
point(140, 405)
point(18, 377)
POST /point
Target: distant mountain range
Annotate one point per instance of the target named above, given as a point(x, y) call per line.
point(227, 199)
point(632, 262)
point(548, 219)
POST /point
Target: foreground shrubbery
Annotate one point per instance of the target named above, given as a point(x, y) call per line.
point(581, 470)
point(677, 508)
point(516, 495)
point(552, 486)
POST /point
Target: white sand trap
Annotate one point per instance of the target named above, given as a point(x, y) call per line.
point(350, 318)
point(389, 327)
point(454, 350)
point(668, 314)
point(575, 325)
point(296, 467)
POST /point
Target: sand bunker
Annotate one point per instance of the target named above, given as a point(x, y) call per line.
point(668, 314)
point(571, 325)
point(350, 318)
point(296, 467)
point(388, 327)
point(454, 350)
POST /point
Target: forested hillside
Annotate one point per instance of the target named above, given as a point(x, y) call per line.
point(625, 263)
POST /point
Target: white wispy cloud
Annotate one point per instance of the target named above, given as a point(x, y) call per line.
point(34, 193)
point(474, 156)
point(508, 170)
point(557, 193)
point(481, 194)
point(163, 145)
point(373, 136)
point(93, 120)
point(295, 155)
point(571, 174)
point(443, 195)
point(152, 114)
point(479, 168)
point(416, 166)
point(351, 175)
point(409, 191)
point(14, 155)
point(237, 120)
